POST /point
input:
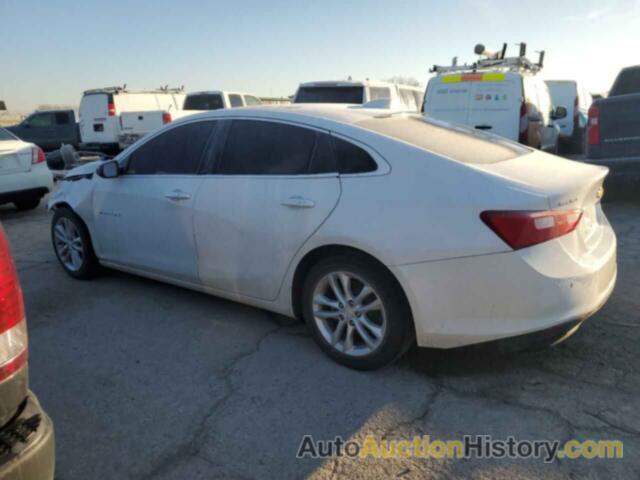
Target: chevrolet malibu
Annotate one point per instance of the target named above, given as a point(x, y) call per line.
point(377, 229)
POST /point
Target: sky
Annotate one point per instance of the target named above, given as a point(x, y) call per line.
point(53, 50)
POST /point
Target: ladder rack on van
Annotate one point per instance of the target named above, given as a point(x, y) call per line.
point(495, 61)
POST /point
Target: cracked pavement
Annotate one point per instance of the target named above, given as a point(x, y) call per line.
point(149, 381)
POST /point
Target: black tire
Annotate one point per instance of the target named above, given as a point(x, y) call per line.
point(399, 333)
point(89, 266)
point(25, 204)
point(577, 144)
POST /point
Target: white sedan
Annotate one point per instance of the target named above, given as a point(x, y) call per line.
point(24, 175)
point(376, 228)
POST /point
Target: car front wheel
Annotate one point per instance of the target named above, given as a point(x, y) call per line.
point(72, 244)
point(357, 312)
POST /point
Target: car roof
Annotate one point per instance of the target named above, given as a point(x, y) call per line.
point(221, 92)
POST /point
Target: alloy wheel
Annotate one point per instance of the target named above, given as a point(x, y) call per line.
point(68, 243)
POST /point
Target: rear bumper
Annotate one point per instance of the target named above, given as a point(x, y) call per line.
point(478, 299)
point(34, 459)
point(38, 181)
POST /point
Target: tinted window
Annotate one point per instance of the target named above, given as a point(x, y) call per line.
point(376, 93)
point(323, 160)
point(330, 95)
point(352, 159)
point(235, 100)
point(41, 120)
point(62, 118)
point(176, 151)
point(4, 135)
point(628, 81)
point(266, 148)
point(251, 100)
point(205, 101)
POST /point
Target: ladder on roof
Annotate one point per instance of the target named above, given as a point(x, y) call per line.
point(494, 61)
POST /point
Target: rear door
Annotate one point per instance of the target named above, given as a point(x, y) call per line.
point(98, 123)
point(495, 104)
point(273, 185)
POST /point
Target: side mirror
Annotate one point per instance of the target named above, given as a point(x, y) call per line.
point(109, 169)
point(559, 113)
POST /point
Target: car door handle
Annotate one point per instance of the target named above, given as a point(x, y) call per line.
point(297, 201)
point(177, 195)
point(483, 127)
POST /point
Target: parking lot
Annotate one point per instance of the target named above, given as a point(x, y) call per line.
point(145, 380)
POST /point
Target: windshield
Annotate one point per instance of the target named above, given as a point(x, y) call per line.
point(452, 141)
point(5, 135)
point(332, 94)
point(204, 101)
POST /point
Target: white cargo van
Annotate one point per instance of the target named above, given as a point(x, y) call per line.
point(577, 100)
point(100, 111)
point(391, 95)
point(505, 97)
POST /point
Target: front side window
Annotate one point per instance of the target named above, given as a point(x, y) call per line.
point(41, 120)
point(377, 93)
point(351, 158)
point(176, 151)
point(204, 101)
point(257, 147)
point(235, 100)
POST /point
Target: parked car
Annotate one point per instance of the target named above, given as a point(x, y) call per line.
point(100, 111)
point(24, 175)
point(577, 101)
point(49, 129)
point(215, 99)
point(135, 125)
point(376, 228)
point(514, 104)
point(27, 446)
point(614, 122)
point(395, 96)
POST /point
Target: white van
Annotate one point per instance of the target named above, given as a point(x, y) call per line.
point(391, 95)
point(577, 100)
point(100, 111)
point(512, 104)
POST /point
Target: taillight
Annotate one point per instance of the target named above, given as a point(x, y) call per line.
point(166, 118)
point(111, 109)
point(593, 127)
point(37, 155)
point(520, 229)
point(524, 124)
point(13, 327)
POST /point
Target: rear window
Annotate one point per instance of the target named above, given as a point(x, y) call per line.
point(330, 95)
point(206, 101)
point(4, 135)
point(378, 93)
point(628, 82)
point(455, 142)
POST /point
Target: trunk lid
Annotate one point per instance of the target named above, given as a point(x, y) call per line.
point(15, 156)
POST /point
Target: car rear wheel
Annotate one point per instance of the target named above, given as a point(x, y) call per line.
point(357, 312)
point(27, 203)
point(72, 244)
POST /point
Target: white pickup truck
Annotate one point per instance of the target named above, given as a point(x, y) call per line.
point(135, 125)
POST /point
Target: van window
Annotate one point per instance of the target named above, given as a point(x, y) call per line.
point(204, 101)
point(351, 158)
point(330, 94)
point(457, 142)
point(235, 100)
point(256, 147)
point(377, 93)
point(251, 100)
point(176, 151)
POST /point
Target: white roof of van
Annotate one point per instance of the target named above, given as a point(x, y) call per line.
point(357, 83)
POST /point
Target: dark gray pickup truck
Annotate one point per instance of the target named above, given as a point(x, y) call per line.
point(613, 130)
point(49, 129)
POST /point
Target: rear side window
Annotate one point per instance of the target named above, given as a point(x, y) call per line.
point(628, 82)
point(266, 148)
point(235, 100)
point(62, 118)
point(377, 93)
point(205, 101)
point(176, 151)
point(351, 158)
point(330, 95)
point(251, 100)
